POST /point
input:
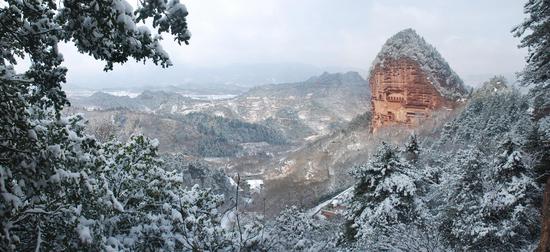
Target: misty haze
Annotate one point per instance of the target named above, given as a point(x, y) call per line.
point(277, 125)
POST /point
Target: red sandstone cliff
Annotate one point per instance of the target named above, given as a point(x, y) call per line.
point(409, 80)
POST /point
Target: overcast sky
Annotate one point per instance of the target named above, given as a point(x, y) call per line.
point(472, 35)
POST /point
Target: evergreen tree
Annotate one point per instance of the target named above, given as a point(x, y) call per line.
point(535, 34)
point(44, 178)
point(383, 196)
point(294, 230)
point(509, 211)
point(412, 149)
point(152, 209)
point(509, 162)
point(54, 177)
point(537, 148)
point(462, 225)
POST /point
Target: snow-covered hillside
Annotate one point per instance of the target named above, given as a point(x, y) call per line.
point(302, 110)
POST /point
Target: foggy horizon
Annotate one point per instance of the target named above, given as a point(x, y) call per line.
point(303, 39)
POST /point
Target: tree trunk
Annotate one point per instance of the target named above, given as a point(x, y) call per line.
point(544, 244)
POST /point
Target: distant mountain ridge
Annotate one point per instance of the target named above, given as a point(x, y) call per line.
point(321, 103)
point(146, 101)
point(314, 85)
point(312, 107)
point(190, 77)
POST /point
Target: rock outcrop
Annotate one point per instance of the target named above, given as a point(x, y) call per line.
point(409, 80)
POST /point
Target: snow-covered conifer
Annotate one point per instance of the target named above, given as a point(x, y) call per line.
point(535, 36)
point(58, 190)
point(412, 149)
point(383, 196)
point(509, 208)
point(462, 224)
point(296, 230)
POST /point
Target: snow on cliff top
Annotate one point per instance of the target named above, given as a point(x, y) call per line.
point(408, 44)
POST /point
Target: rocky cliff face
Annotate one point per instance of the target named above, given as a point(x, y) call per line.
point(409, 80)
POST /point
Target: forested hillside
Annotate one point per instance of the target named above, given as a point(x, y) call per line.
point(196, 134)
point(300, 110)
point(472, 178)
point(470, 185)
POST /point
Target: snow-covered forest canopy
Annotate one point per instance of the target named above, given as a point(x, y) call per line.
point(478, 182)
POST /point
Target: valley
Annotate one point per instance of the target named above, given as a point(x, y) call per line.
point(299, 140)
point(264, 130)
point(296, 142)
point(269, 133)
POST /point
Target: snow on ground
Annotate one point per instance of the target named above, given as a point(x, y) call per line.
point(228, 220)
point(336, 199)
point(88, 93)
point(123, 93)
point(134, 94)
point(312, 137)
point(79, 93)
point(255, 184)
point(232, 181)
point(207, 97)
